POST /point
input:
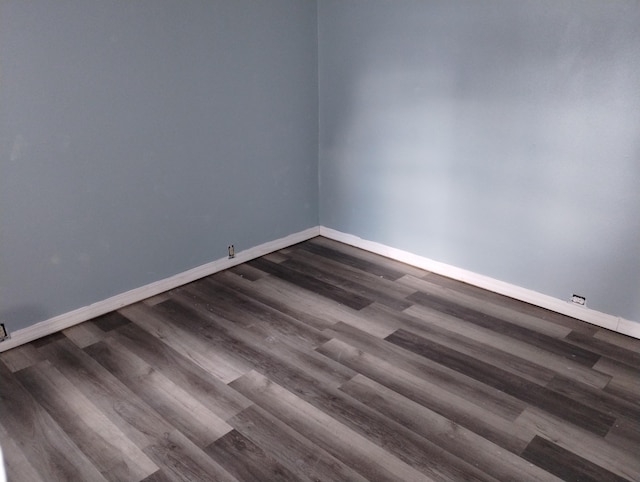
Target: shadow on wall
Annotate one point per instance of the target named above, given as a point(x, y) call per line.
point(497, 140)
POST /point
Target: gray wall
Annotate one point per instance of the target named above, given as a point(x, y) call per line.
point(498, 136)
point(138, 139)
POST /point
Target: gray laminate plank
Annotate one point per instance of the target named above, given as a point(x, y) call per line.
point(604, 348)
point(625, 435)
point(182, 461)
point(361, 254)
point(275, 257)
point(536, 354)
point(346, 281)
point(17, 465)
point(303, 305)
point(548, 343)
point(330, 312)
point(284, 297)
point(243, 309)
point(378, 284)
point(110, 450)
point(481, 351)
point(47, 447)
point(353, 449)
point(624, 375)
point(176, 405)
point(301, 456)
point(565, 463)
point(157, 476)
point(85, 334)
point(44, 341)
point(533, 394)
point(377, 269)
point(266, 352)
point(597, 399)
point(141, 423)
point(200, 384)
point(485, 455)
point(622, 391)
point(312, 283)
point(520, 306)
point(618, 339)
point(247, 272)
point(489, 398)
point(110, 321)
point(20, 357)
point(154, 300)
point(430, 395)
point(396, 439)
point(223, 365)
point(246, 460)
point(485, 306)
point(581, 442)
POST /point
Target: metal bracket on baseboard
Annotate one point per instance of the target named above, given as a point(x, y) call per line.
point(4, 334)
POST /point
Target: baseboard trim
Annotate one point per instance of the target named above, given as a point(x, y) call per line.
point(629, 328)
point(67, 320)
point(604, 320)
point(71, 318)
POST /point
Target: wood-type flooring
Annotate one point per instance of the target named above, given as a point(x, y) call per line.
point(323, 362)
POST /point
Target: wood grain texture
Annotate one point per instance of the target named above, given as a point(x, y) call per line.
point(109, 449)
point(513, 304)
point(50, 450)
point(483, 306)
point(481, 351)
point(301, 456)
point(517, 347)
point(458, 440)
point(513, 330)
point(323, 362)
point(454, 407)
point(245, 460)
point(583, 443)
point(367, 458)
point(532, 394)
point(17, 466)
point(564, 463)
point(176, 405)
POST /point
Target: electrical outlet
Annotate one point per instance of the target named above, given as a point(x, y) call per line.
point(4, 335)
point(579, 300)
point(232, 251)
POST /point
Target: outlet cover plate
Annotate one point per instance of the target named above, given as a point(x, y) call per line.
point(578, 300)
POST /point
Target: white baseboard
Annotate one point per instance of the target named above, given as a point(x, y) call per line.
point(614, 323)
point(629, 328)
point(66, 320)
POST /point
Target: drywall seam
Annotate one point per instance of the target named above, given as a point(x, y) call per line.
point(71, 318)
point(582, 313)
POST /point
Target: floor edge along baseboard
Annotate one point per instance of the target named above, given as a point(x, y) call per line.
point(604, 320)
point(67, 320)
point(71, 318)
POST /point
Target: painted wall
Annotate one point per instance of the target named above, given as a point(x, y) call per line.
point(138, 139)
point(497, 136)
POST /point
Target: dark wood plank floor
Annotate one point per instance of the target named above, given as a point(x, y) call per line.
point(323, 362)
